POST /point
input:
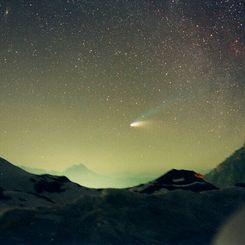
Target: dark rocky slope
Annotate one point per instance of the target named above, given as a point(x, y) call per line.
point(229, 172)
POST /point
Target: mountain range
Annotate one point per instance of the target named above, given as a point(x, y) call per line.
point(180, 207)
point(82, 175)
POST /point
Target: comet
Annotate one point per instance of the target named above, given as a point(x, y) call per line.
point(138, 124)
point(145, 117)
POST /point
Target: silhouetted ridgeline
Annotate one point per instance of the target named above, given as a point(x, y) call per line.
point(230, 172)
point(180, 207)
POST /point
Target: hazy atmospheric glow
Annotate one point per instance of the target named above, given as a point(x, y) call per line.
point(78, 78)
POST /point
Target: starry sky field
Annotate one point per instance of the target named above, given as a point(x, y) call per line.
point(75, 74)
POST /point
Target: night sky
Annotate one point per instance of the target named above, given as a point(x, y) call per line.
point(75, 74)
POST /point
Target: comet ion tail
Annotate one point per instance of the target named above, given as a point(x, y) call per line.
point(137, 124)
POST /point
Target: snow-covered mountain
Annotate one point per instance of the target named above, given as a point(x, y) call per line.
point(20, 188)
point(176, 180)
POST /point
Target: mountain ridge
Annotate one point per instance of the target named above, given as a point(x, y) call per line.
point(52, 210)
point(230, 172)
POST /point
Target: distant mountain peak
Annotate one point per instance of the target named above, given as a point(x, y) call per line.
point(77, 167)
point(78, 171)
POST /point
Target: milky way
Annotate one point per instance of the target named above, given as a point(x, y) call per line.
point(75, 74)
